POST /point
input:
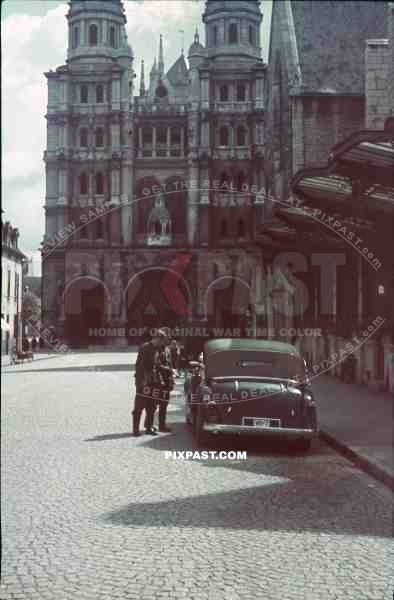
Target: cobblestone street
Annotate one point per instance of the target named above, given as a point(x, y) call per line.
point(90, 512)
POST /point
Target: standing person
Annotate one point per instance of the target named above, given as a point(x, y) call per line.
point(147, 381)
point(13, 347)
point(167, 381)
point(182, 361)
point(174, 352)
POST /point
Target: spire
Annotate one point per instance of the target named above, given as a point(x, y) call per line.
point(142, 79)
point(153, 77)
point(161, 57)
point(196, 36)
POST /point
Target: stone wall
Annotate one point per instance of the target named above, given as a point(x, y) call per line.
point(326, 121)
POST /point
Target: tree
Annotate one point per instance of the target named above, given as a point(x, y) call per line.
point(31, 306)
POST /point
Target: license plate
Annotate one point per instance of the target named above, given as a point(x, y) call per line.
point(260, 422)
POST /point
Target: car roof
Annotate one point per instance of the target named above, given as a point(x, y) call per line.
point(251, 344)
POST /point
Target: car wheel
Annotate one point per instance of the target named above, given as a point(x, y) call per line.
point(303, 445)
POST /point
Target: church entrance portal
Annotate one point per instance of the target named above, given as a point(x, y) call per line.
point(149, 307)
point(84, 313)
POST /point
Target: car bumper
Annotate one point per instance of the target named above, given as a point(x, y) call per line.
point(290, 432)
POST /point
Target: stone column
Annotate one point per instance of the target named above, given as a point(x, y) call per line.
point(115, 135)
point(205, 91)
point(259, 102)
point(127, 208)
point(205, 133)
point(116, 94)
point(115, 183)
point(168, 141)
point(269, 302)
point(62, 184)
point(192, 205)
point(154, 142)
point(182, 141)
point(140, 142)
point(114, 226)
point(61, 134)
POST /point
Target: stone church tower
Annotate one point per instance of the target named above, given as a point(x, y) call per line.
point(166, 180)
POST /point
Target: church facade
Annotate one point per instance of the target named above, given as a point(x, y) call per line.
point(160, 180)
point(166, 202)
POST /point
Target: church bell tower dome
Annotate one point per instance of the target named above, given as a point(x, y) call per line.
point(97, 29)
point(232, 27)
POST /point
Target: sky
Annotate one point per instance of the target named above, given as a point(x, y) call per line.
point(34, 40)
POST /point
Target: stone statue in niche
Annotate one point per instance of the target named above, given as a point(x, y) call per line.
point(159, 222)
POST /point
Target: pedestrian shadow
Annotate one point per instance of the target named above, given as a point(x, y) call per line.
point(109, 436)
point(277, 504)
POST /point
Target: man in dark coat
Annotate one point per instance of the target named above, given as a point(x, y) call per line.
point(151, 381)
point(148, 383)
point(167, 384)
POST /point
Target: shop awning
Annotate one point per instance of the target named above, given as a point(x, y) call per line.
point(359, 176)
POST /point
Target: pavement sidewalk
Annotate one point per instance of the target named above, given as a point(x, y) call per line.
point(5, 359)
point(358, 423)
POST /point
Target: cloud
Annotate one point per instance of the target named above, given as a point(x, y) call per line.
point(31, 45)
point(156, 15)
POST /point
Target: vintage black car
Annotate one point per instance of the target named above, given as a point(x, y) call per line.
point(249, 386)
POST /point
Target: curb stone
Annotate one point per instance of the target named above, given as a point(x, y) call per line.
point(362, 462)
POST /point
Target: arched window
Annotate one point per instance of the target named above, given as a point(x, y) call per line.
point(93, 35)
point(224, 93)
point(251, 35)
point(83, 137)
point(241, 92)
point(99, 184)
point(84, 94)
point(241, 136)
point(223, 228)
point(215, 36)
point(75, 37)
point(112, 37)
point(99, 93)
point(99, 137)
point(83, 183)
point(223, 136)
point(241, 228)
point(233, 34)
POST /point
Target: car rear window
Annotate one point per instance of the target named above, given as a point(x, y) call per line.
point(259, 364)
